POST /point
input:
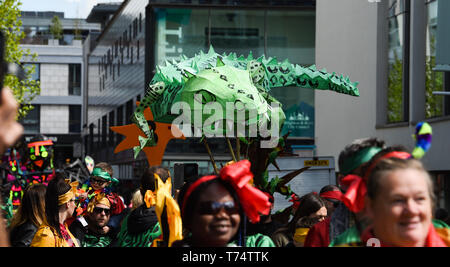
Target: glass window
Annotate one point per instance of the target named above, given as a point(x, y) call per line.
point(297, 44)
point(129, 111)
point(298, 107)
point(294, 43)
point(180, 32)
point(31, 122)
point(111, 133)
point(104, 126)
point(74, 79)
point(36, 76)
point(397, 93)
point(237, 31)
point(183, 31)
point(434, 106)
point(74, 118)
point(119, 137)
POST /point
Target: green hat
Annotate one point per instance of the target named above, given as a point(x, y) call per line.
point(98, 172)
point(361, 157)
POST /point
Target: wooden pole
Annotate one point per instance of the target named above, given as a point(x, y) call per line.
point(238, 149)
point(231, 149)
point(210, 155)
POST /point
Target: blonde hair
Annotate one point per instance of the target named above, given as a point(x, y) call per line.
point(136, 199)
point(392, 164)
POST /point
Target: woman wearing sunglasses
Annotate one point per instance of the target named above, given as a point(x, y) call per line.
point(59, 206)
point(214, 208)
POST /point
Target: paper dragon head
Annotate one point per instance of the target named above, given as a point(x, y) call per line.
point(220, 79)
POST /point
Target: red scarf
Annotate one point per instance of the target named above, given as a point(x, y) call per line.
point(432, 240)
point(66, 236)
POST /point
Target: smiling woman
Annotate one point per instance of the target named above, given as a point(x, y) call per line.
point(213, 208)
point(399, 204)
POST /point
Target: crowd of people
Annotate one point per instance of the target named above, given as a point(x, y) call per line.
point(383, 197)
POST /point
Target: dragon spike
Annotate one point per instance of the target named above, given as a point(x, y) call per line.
point(272, 61)
point(250, 56)
point(324, 70)
point(211, 50)
point(219, 62)
point(261, 59)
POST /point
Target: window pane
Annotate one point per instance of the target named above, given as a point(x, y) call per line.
point(395, 78)
point(297, 44)
point(37, 70)
point(237, 31)
point(31, 123)
point(180, 32)
point(434, 80)
point(74, 79)
point(74, 119)
point(294, 43)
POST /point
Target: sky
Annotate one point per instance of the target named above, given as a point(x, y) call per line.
point(71, 8)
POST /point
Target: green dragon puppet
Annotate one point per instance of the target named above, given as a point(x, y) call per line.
point(210, 78)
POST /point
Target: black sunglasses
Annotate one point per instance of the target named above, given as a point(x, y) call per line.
point(98, 181)
point(100, 210)
point(213, 207)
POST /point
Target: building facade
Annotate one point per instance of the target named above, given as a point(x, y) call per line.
point(142, 35)
point(59, 67)
point(390, 48)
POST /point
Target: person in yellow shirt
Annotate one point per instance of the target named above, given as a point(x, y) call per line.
point(59, 206)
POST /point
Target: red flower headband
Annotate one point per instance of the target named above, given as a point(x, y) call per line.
point(357, 188)
point(334, 194)
point(252, 200)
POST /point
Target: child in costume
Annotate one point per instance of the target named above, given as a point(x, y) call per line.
point(101, 181)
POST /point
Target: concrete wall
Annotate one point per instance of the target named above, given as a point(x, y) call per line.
point(346, 43)
point(54, 119)
point(54, 80)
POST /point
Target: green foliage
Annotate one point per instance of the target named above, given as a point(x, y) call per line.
point(24, 91)
point(434, 81)
point(56, 28)
point(395, 90)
